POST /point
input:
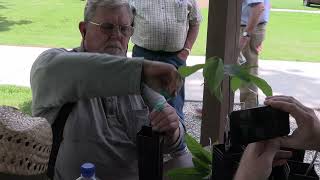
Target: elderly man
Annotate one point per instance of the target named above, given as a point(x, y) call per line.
point(166, 31)
point(106, 90)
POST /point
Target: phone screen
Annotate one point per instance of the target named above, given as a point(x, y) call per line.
point(257, 124)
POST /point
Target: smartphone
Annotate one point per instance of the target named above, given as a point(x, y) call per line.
point(256, 124)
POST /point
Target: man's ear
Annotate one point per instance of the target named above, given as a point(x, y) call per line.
point(83, 29)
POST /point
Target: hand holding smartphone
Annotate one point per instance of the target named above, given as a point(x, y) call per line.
point(256, 124)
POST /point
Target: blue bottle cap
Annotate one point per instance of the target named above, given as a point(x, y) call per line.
point(87, 170)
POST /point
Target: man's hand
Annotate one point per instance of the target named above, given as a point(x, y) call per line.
point(166, 121)
point(307, 135)
point(162, 77)
point(183, 54)
point(259, 49)
point(243, 42)
point(258, 159)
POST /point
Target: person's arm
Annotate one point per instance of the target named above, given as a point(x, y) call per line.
point(256, 161)
point(168, 122)
point(307, 135)
point(164, 120)
point(194, 19)
point(59, 76)
point(259, 158)
point(256, 11)
point(190, 40)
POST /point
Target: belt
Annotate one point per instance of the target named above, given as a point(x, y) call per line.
point(158, 52)
point(262, 23)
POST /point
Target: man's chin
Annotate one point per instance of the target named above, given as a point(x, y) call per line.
point(114, 51)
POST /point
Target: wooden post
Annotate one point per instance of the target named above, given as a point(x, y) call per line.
point(222, 41)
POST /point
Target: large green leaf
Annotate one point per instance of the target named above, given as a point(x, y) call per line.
point(243, 77)
point(202, 167)
point(184, 174)
point(197, 150)
point(213, 72)
point(262, 84)
point(236, 83)
point(188, 70)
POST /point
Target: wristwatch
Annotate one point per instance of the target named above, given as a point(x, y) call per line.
point(187, 49)
point(245, 34)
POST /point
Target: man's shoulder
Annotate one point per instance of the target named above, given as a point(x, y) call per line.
point(77, 49)
point(250, 2)
point(53, 51)
point(46, 57)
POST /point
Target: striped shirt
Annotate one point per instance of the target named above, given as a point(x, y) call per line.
point(162, 25)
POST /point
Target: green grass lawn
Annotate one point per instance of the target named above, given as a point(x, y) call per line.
point(293, 36)
point(16, 96)
point(49, 23)
point(292, 4)
point(54, 23)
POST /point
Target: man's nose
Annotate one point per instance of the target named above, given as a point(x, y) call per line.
point(116, 31)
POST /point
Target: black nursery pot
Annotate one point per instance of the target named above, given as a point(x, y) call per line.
point(150, 157)
point(293, 171)
point(298, 170)
point(297, 154)
point(225, 164)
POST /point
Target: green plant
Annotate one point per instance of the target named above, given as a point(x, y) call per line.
point(214, 72)
point(201, 159)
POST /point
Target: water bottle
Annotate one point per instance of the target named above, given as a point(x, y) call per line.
point(88, 171)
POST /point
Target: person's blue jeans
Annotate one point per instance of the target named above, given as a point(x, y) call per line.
point(171, 58)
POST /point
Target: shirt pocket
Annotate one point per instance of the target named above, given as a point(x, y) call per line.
point(140, 118)
point(139, 113)
point(181, 7)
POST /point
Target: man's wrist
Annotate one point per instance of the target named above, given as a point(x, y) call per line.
point(187, 50)
point(246, 34)
point(174, 137)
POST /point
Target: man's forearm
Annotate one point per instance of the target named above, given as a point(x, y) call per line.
point(192, 36)
point(58, 77)
point(173, 142)
point(256, 12)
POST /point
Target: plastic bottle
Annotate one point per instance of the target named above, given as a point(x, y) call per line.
point(88, 171)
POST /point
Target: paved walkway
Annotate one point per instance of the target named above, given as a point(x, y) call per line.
point(298, 79)
point(296, 11)
point(205, 3)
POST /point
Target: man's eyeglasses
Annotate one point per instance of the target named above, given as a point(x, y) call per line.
point(108, 28)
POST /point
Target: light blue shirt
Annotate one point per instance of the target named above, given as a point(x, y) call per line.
point(246, 6)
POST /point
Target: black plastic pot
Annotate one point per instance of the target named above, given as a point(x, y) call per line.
point(293, 171)
point(150, 157)
point(297, 154)
point(298, 171)
point(225, 164)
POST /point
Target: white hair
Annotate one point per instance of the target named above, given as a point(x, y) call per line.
point(92, 5)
